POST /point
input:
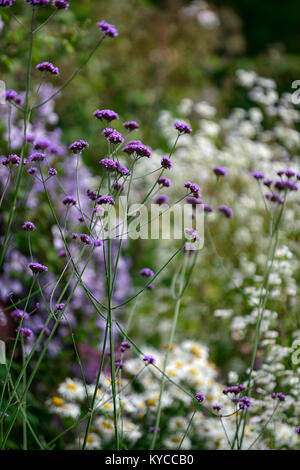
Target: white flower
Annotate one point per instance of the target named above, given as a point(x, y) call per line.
point(72, 389)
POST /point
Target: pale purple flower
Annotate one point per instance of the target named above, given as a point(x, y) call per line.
point(107, 114)
point(200, 397)
point(108, 29)
point(38, 268)
point(146, 272)
point(149, 359)
point(219, 171)
point(166, 163)
point(131, 125)
point(28, 226)
point(182, 127)
point(47, 67)
point(227, 211)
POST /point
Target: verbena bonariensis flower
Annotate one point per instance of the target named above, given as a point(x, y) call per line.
point(98, 242)
point(194, 201)
point(245, 403)
point(108, 29)
point(26, 333)
point(131, 125)
point(122, 169)
point(107, 114)
point(14, 159)
point(61, 4)
point(219, 171)
point(182, 127)
point(6, 3)
point(267, 182)
point(12, 95)
point(108, 164)
point(194, 188)
point(115, 137)
point(17, 315)
point(149, 359)
point(41, 144)
point(38, 2)
point(47, 67)
point(200, 397)
point(275, 197)
point(138, 148)
point(298, 429)
point(217, 407)
point(289, 173)
point(161, 199)
point(258, 175)
point(46, 330)
point(208, 208)
point(107, 131)
point(163, 181)
point(227, 211)
point(78, 146)
point(92, 195)
point(37, 157)
point(37, 268)
point(166, 163)
point(69, 201)
point(279, 395)
point(146, 272)
point(32, 170)
point(85, 239)
point(28, 226)
point(60, 307)
point(52, 172)
point(106, 200)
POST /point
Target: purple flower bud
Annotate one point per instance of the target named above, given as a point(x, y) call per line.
point(200, 397)
point(28, 227)
point(78, 146)
point(146, 272)
point(219, 171)
point(85, 239)
point(27, 333)
point(46, 331)
point(163, 181)
point(47, 66)
point(60, 307)
point(52, 172)
point(61, 4)
point(217, 407)
point(14, 159)
point(32, 170)
point(69, 201)
point(106, 200)
point(131, 125)
point(227, 211)
point(106, 114)
point(258, 175)
point(37, 157)
point(161, 199)
point(17, 315)
point(37, 268)
point(149, 359)
point(182, 127)
point(166, 163)
point(138, 148)
point(108, 29)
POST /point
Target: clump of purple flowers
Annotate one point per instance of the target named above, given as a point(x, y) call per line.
point(166, 163)
point(131, 125)
point(107, 114)
point(106, 200)
point(182, 127)
point(227, 211)
point(78, 146)
point(6, 3)
point(69, 201)
point(37, 268)
point(245, 403)
point(47, 67)
point(138, 148)
point(12, 95)
point(61, 4)
point(279, 395)
point(149, 359)
point(108, 29)
point(200, 397)
point(28, 226)
point(219, 171)
point(146, 272)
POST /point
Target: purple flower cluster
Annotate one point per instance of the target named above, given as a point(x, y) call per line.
point(108, 29)
point(61, 4)
point(13, 159)
point(227, 211)
point(28, 226)
point(245, 403)
point(47, 67)
point(40, 3)
point(41, 144)
point(194, 188)
point(274, 197)
point(37, 157)
point(131, 125)
point(12, 95)
point(37, 268)
point(85, 239)
point(106, 200)
point(217, 407)
point(235, 389)
point(166, 163)
point(138, 148)
point(163, 181)
point(182, 127)
point(219, 171)
point(69, 201)
point(279, 395)
point(78, 146)
point(6, 3)
point(125, 345)
point(107, 114)
point(17, 315)
point(200, 397)
point(258, 175)
point(52, 172)
point(27, 333)
point(149, 359)
point(161, 199)
point(146, 272)
point(115, 137)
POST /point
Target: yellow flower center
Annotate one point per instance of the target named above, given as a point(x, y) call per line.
point(107, 406)
point(195, 350)
point(57, 401)
point(107, 424)
point(71, 387)
point(176, 439)
point(90, 439)
point(151, 402)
